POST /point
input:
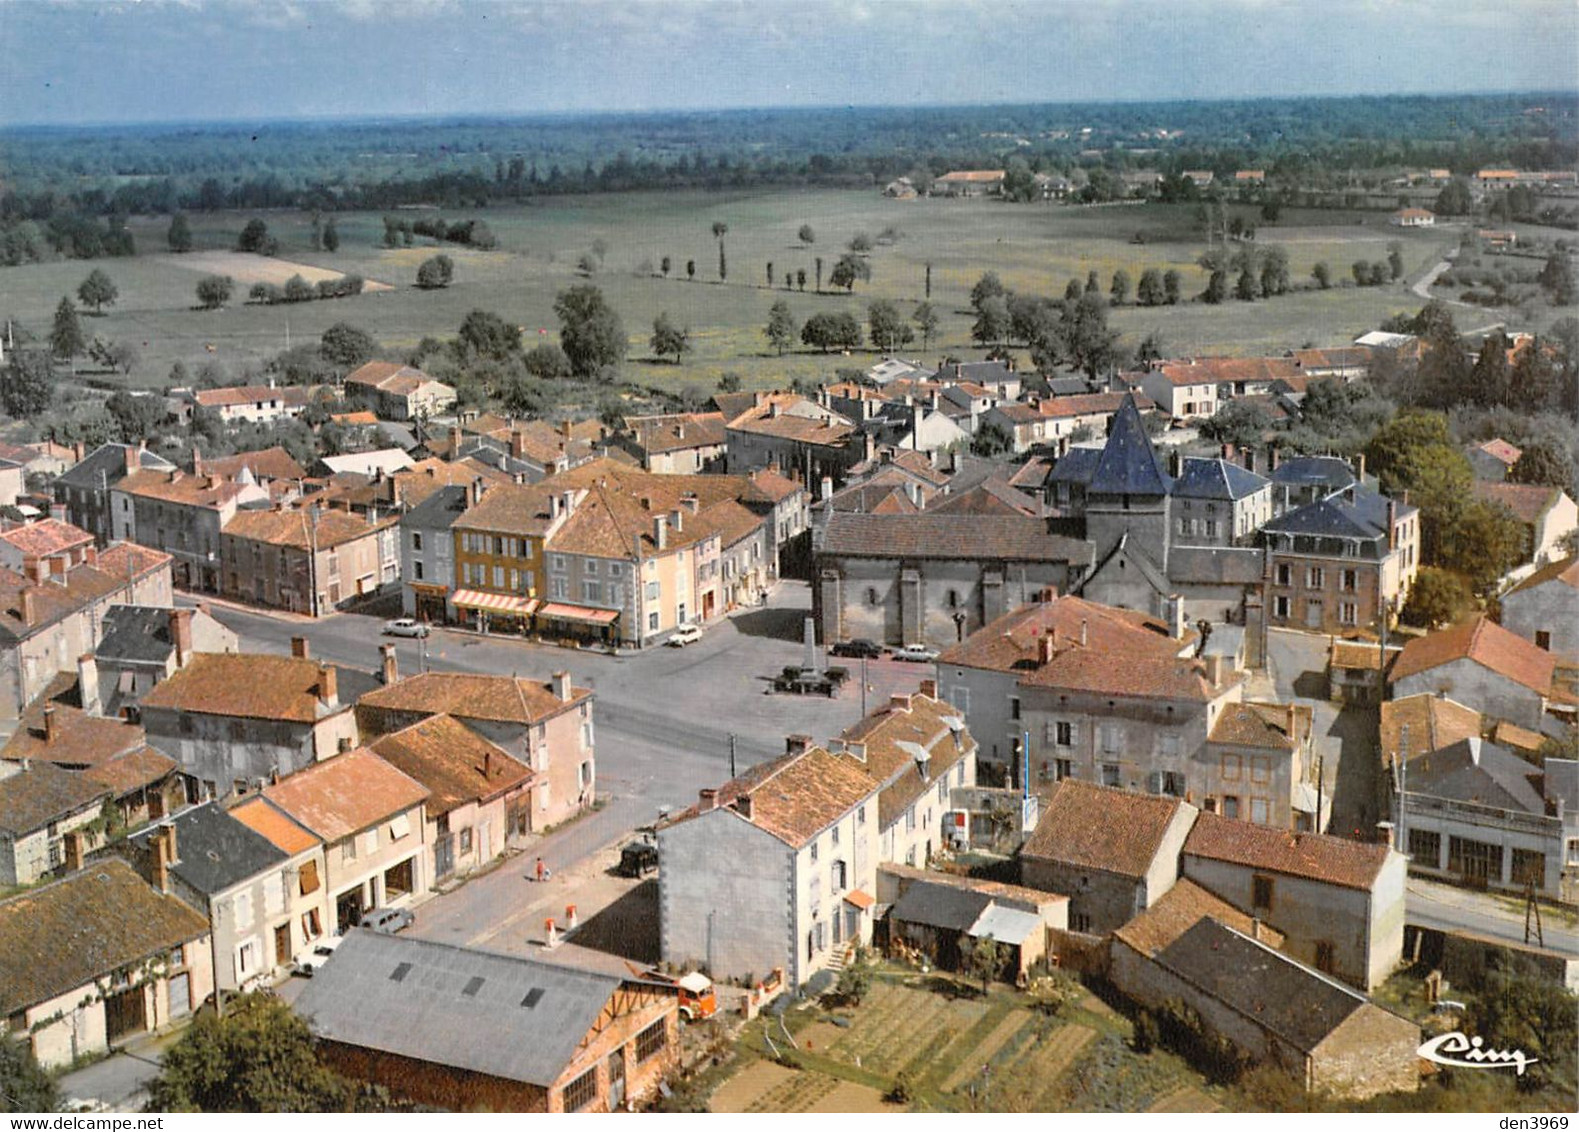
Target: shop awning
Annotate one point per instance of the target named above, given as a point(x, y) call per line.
point(494, 603)
point(578, 613)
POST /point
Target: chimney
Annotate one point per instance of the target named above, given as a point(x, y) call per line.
point(1214, 670)
point(1359, 467)
point(74, 851)
point(28, 611)
point(487, 762)
point(88, 682)
point(172, 849)
point(57, 512)
point(564, 428)
point(660, 531)
point(51, 728)
point(899, 702)
point(387, 669)
point(796, 744)
point(743, 805)
point(827, 488)
point(328, 686)
point(1083, 625)
point(161, 863)
point(928, 688)
point(1176, 620)
point(1392, 524)
point(1255, 928)
point(181, 635)
point(197, 461)
point(300, 648)
point(856, 750)
point(1046, 647)
point(1272, 458)
point(1228, 453)
point(133, 454)
point(871, 447)
point(707, 799)
point(691, 503)
point(1387, 833)
point(455, 440)
point(774, 410)
point(517, 444)
point(214, 482)
point(561, 685)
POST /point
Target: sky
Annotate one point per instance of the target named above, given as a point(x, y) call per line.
point(96, 61)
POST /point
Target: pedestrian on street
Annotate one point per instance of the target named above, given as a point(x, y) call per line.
point(542, 870)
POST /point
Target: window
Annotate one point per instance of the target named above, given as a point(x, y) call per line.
point(953, 599)
point(1063, 768)
point(1112, 737)
point(1110, 774)
point(1261, 892)
point(1543, 639)
point(1211, 528)
point(652, 1041)
point(1186, 526)
point(1280, 607)
point(1284, 574)
point(556, 563)
point(581, 1092)
point(1230, 806)
point(309, 878)
point(814, 851)
point(910, 820)
point(1079, 921)
point(616, 569)
point(416, 540)
point(466, 840)
point(417, 569)
point(1014, 707)
point(247, 959)
point(592, 592)
point(498, 577)
point(312, 924)
point(559, 587)
point(1529, 867)
point(871, 595)
point(1260, 769)
point(652, 592)
point(615, 596)
point(398, 880)
point(243, 909)
point(652, 622)
point(860, 819)
point(1173, 783)
point(1324, 956)
point(1351, 580)
point(1474, 859)
point(1425, 846)
point(590, 566)
point(836, 877)
point(1348, 613)
point(1259, 811)
point(960, 698)
point(1315, 577)
point(1573, 850)
point(1064, 733)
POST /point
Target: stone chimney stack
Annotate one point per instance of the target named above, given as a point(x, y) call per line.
point(328, 686)
point(928, 688)
point(88, 682)
point(1084, 624)
point(1046, 647)
point(563, 692)
point(300, 649)
point(388, 669)
point(1392, 524)
point(707, 799)
point(899, 702)
point(181, 635)
point(660, 531)
point(51, 728)
point(796, 744)
point(29, 610)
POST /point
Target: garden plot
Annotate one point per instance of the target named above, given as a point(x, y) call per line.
point(246, 268)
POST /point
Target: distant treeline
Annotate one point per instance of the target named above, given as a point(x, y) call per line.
point(462, 164)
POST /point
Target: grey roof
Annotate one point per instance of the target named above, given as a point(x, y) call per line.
point(1216, 479)
point(44, 793)
point(1304, 471)
point(960, 537)
point(410, 997)
point(110, 460)
point(982, 373)
point(136, 633)
point(1359, 513)
point(940, 906)
point(1215, 565)
point(1473, 770)
point(1129, 465)
point(215, 851)
point(1077, 465)
point(439, 511)
point(1294, 1002)
point(1562, 782)
point(1006, 925)
point(1069, 386)
point(1143, 564)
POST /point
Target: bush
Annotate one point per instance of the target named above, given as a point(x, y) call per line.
point(902, 1091)
point(1146, 1034)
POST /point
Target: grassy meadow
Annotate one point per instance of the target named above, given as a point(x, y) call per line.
point(1035, 248)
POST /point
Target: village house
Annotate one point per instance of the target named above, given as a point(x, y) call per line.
point(386, 461)
point(182, 515)
point(794, 436)
point(235, 877)
point(1355, 671)
point(370, 818)
point(526, 1034)
point(1548, 516)
point(46, 547)
point(398, 392)
point(1482, 665)
point(1416, 725)
point(265, 465)
point(141, 646)
point(49, 619)
point(299, 922)
point(1412, 218)
point(776, 868)
point(1261, 767)
point(479, 797)
point(236, 720)
point(685, 443)
point(1112, 852)
point(1544, 608)
point(253, 404)
point(427, 555)
point(149, 964)
point(1493, 460)
point(49, 821)
point(546, 727)
point(1338, 903)
point(85, 487)
point(968, 183)
point(307, 559)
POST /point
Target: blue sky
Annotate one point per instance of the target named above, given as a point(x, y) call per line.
point(73, 61)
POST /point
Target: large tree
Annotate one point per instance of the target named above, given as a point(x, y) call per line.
point(987, 287)
point(179, 237)
point(991, 327)
point(214, 291)
point(485, 334)
point(1437, 597)
point(1483, 542)
point(346, 346)
point(926, 320)
point(887, 327)
point(547, 362)
point(97, 290)
point(1414, 452)
point(255, 238)
point(668, 339)
point(720, 229)
point(1544, 462)
point(807, 235)
point(590, 332)
point(781, 328)
point(258, 1057)
point(65, 336)
point(849, 269)
point(137, 419)
point(24, 1086)
point(829, 330)
point(1238, 422)
point(435, 272)
point(1149, 291)
point(26, 383)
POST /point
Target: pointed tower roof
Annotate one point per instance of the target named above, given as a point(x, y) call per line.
point(1129, 465)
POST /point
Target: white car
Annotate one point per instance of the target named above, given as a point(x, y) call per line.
point(686, 634)
point(309, 964)
point(405, 627)
point(920, 653)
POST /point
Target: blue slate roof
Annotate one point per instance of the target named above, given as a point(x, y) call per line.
point(1473, 770)
point(1078, 465)
point(1303, 471)
point(1129, 464)
point(107, 464)
point(1361, 513)
point(215, 851)
point(1216, 479)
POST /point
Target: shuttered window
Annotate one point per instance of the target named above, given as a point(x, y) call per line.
point(309, 877)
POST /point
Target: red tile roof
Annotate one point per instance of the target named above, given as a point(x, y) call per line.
point(502, 699)
point(1179, 910)
point(265, 464)
point(45, 537)
point(455, 763)
point(1096, 827)
point(1564, 570)
point(1314, 856)
point(1433, 723)
point(878, 744)
point(280, 830)
point(131, 771)
point(794, 797)
point(346, 793)
point(80, 739)
point(1487, 644)
point(1272, 727)
point(296, 528)
point(1529, 502)
point(247, 685)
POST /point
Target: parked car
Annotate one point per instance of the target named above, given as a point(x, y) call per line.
point(858, 647)
point(686, 634)
point(405, 627)
point(920, 653)
point(637, 859)
point(309, 964)
point(389, 920)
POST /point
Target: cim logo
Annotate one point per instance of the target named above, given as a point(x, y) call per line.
point(1471, 1053)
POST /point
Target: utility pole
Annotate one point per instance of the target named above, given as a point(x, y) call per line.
point(731, 755)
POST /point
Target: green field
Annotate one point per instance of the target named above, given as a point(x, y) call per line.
point(1034, 248)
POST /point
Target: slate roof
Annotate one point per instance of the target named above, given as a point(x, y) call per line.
point(794, 797)
point(1287, 998)
point(1562, 781)
point(972, 537)
point(1473, 770)
point(1100, 828)
point(53, 601)
point(499, 699)
point(1433, 721)
point(345, 794)
point(1180, 909)
point(1486, 643)
point(1129, 465)
point(1214, 565)
point(65, 935)
point(410, 997)
point(1362, 516)
point(1303, 471)
point(1315, 856)
point(940, 906)
point(1077, 465)
point(214, 851)
point(455, 763)
point(136, 633)
point(43, 793)
point(107, 464)
point(1216, 479)
point(248, 685)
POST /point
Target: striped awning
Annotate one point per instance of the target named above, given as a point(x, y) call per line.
point(578, 613)
point(494, 603)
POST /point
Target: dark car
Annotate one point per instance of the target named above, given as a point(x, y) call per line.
point(858, 647)
point(638, 859)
